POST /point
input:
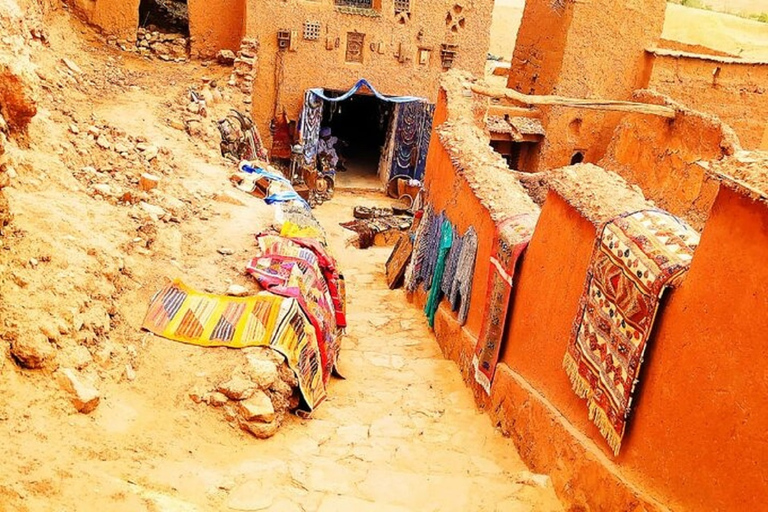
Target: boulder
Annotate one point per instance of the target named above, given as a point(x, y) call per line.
point(260, 430)
point(215, 399)
point(262, 371)
point(237, 388)
point(84, 397)
point(257, 408)
point(18, 104)
point(32, 351)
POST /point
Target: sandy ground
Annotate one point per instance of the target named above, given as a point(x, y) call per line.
point(716, 30)
point(400, 433)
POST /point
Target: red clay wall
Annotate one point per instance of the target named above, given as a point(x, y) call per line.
point(216, 25)
point(590, 49)
point(697, 437)
point(737, 96)
point(667, 158)
point(540, 47)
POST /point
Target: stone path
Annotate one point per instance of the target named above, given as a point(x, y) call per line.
point(402, 431)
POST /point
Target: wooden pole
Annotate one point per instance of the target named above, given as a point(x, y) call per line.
point(596, 104)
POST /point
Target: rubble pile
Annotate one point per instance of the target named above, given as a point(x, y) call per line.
point(167, 47)
point(257, 397)
point(245, 66)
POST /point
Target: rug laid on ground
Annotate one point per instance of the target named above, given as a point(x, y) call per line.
point(300, 278)
point(636, 258)
point(181, 314)
point(512, 237)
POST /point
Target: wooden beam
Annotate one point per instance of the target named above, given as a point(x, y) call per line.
point(596, 104)
point(502, 110)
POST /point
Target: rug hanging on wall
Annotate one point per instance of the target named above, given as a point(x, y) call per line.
point(512, 238)
point(637, 257)
point(181, 314)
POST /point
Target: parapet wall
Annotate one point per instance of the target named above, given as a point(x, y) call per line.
point(696, 438)
point(735, 90)
point(669, 158)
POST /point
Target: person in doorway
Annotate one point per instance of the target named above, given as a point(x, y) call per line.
point(326, 149)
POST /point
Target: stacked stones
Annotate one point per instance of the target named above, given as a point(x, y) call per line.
point(258, 396)
point(167, 47)
point(245, 66)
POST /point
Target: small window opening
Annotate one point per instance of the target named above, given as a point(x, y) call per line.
point(577, 158)
point(166, 16)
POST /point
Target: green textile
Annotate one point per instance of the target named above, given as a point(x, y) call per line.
point(446, 239)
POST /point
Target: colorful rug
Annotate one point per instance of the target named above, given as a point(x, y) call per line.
point(413, 270)
point(301, 279)
point(512, 237)
point(298, 247)
point(433, 300)
point(179, 313)
point(461, 286)
point(637, 257)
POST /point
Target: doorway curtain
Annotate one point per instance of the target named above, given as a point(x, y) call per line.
point(413, 118)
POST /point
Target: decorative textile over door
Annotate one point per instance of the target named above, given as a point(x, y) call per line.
point(311, 118)
point(412, 133)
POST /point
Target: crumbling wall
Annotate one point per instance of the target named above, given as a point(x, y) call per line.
point(736, 91)
point(390, 50)
point(668, 158)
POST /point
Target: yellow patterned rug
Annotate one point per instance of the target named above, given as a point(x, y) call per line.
point(263, 320)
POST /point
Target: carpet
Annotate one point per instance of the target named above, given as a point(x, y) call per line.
point(433, 299)
point(181, 314)
point(302, 280)
point(512, 237)
point(636, 258)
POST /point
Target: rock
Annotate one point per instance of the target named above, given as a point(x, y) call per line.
point(32, 351)
point(226, 57)
point(236, 290)
point(150, 152)
point(17, 97)
point(153, 210)
point(84, 397)
point(215, 399)
point(194, 128)
point(11, 172)
point(262, 371)
point(72, 66)
point(148, 181)
point(103, 189)
point(121, 148)
point(260, 430)
point(193, 107)
point(226, 251)
point(175, 123)
point(237, 388)
point(197, 396)
point(103, 142)
point(257, 408)
point(93, 131)
point(130, 373)
point(74, 129)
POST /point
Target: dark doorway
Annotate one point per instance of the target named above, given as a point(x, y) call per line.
point(167, 16)
point(577, 158)
point(361, 123)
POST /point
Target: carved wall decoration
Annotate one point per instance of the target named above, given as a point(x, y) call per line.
point(455, 19)
point(355, 45)
point(402, 11)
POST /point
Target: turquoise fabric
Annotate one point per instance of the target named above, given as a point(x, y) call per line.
point(446, 239)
